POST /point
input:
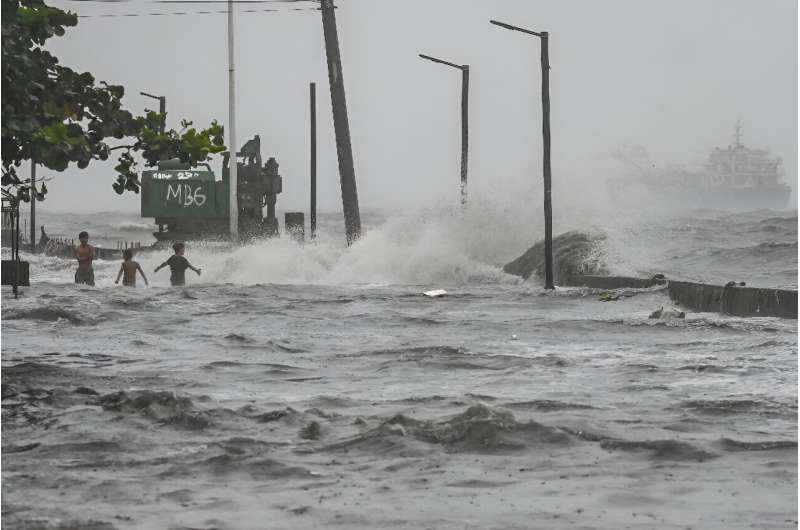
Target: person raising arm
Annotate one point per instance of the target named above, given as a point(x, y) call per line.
point(178, 265)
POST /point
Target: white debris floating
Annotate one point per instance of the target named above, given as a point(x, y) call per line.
point(435, 293)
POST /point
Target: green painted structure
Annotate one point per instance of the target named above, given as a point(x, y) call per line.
point(190, 203)
point(177, 193)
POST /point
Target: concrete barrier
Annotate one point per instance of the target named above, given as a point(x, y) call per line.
point(739, 301)
point(294, 224)
point(612, 282)
point(577, 263)
point(9, 270)
point(735, 300)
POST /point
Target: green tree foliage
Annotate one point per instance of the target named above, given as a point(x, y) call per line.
point(54, 115)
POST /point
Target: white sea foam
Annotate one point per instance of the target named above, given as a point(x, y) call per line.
point(446, 246)
point(439, 246)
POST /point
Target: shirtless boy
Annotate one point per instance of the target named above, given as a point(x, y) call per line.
point(84, 253)
point(129, 268)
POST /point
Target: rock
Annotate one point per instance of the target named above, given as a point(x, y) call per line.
point(574, 253)
point(667, 314)
point(608, 297)
point(311, 431)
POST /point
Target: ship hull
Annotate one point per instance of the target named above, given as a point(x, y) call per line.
point(681, 198)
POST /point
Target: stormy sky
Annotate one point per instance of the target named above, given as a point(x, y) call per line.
point(672, 76)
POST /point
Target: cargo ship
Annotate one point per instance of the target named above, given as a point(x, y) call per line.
point(735, 178)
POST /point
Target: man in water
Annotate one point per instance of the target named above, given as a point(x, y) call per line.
point(84, 253)
point(178, 265)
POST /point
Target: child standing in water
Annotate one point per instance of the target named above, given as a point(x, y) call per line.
point(178, 265)
point(129, 268)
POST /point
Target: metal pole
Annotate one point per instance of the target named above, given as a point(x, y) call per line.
point(464, 131)
point(344, 150)
point(162, 109)
point(233, 188)
point(162, 106)
point(313, 108)
point(464, 119)
point(15, 251)
point(33, 207)
point(548, 207)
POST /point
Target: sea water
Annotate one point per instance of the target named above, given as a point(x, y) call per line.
point(315, 386)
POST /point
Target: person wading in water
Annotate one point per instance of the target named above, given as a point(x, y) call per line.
point(84, 253)
point(178, 265)
point(129, 269)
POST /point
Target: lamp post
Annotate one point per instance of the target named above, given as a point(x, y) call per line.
point(162, 105)
point(464, 120)
point(312, 91)
point(548, 209)
point(233, 180)
point(33, 207)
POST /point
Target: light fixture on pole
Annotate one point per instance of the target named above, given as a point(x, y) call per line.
point(162, 105)
point(548, 209)
point(464, 120)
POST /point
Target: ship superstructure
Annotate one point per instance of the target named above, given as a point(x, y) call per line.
point(734, 178)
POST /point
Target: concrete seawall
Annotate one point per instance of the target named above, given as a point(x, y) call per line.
point(577, 262)
point(612, 282)
point(738, 301)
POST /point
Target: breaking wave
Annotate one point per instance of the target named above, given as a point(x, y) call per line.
point(480, 429)
point(162, 406)
point(132, 226)
point(49, 313)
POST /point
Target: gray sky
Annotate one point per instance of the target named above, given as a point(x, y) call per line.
point(670, 75)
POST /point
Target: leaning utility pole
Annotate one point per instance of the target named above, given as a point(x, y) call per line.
point(464, 120)
point(548, 208)
point(233, 204)
point(347, 174)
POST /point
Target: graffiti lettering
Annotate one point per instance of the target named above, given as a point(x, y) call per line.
point(185, 196)
point(180, 175)
point(174, 192)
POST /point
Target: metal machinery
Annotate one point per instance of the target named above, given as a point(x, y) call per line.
point(189, 203)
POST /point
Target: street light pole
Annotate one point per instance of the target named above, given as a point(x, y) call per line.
point(162, 106)
point(313, 130)
point(33, 207)
point(233, 188)
point(464, 120)
point(548, 208)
